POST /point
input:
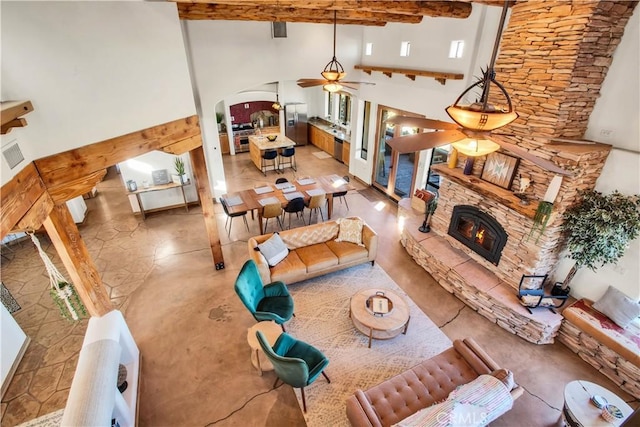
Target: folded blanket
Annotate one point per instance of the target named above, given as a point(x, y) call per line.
point(473, 404)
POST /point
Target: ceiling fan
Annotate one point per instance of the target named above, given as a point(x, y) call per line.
point(333, 72)
point(472, 134)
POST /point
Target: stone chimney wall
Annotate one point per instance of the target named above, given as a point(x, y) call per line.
point(553, 59)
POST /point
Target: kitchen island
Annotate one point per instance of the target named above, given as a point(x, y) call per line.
point(258, 144)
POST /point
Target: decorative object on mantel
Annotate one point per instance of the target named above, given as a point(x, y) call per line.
point(333, 72)
point(541, 219)
point(500, 169)
point(411, 74)
point(431, 203)
point(468, 165)
point(598, 230)
point(525, 184)
point(62, 292)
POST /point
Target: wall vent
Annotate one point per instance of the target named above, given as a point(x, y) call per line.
point(278, 30)
point(13, 155)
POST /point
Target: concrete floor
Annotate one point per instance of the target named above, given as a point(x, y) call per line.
point(191, 327)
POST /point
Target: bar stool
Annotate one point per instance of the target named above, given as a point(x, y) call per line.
point(269, 155)
point(288, 157)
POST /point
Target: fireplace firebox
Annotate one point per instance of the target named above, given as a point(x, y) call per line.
point(479, 231)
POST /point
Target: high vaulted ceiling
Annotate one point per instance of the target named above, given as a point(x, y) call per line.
point(357, 12)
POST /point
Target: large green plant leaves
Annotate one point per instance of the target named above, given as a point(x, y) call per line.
point(600, 227)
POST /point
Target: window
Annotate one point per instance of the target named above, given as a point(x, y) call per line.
point(405, 47)
point(368, 49)
point(344, 111)
point(455, 51)
point(365, 130)
point(328, 113)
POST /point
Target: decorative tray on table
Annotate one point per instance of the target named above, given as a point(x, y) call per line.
point(379, 304)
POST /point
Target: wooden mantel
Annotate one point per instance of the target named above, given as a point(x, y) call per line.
point(411, 74)
point(12, 111)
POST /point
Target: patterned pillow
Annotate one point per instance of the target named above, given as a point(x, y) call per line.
point(350, 231)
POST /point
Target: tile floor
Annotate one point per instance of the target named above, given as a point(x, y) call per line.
point(191, 327)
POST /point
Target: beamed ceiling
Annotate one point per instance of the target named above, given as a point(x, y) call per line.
point(355, 12)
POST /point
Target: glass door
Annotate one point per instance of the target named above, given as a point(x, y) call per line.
point(394, 173)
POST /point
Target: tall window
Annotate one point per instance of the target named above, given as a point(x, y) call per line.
point(365, 130)
point(328, 103)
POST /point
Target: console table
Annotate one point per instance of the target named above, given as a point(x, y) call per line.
point(160, 188)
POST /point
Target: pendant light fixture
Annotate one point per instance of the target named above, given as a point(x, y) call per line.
point(276, 105)
point(333, 71)
point(483, 116)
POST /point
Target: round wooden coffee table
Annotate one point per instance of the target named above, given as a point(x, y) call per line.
point(379, 326)
point(580, 411)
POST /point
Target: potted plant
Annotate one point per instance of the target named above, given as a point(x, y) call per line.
point(219, 119)
point(68, 301)
point(179, 167)
point(598, 230)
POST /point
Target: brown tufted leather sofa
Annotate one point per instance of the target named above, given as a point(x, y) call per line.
point(421, 386)
point(314, 252)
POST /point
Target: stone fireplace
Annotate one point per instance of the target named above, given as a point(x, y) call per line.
point(478, 231)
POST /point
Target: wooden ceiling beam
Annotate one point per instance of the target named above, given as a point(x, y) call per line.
point(64, 168)
point(17, 197)
point(449, 9)
point(11, 113)
point(203, 11)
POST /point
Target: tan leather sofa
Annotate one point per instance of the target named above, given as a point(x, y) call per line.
point(314, 252)
point(421, 386)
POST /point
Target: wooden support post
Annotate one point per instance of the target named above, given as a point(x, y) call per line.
point(74, 254)
point(206, 201)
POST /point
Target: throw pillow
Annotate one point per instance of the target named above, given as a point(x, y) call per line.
point(618, 307)
point(350, 231)
point(273, 249)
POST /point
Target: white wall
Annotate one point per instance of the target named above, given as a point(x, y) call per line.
point(616, 112)
point(93, 71)
point(139, 170)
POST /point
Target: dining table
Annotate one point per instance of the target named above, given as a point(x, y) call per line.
point(253, 199)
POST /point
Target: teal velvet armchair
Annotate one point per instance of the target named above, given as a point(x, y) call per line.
point(295, 362)
point(270, 302)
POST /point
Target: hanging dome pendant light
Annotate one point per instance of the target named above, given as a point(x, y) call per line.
point(333, 71)
point(483, 116)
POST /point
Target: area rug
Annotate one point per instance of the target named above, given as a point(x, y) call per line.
point(322, 319)
point(321, 155)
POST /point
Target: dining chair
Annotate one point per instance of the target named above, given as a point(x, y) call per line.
point(288, 157)
point(267, 156)
point(264, 302)
point(315, 203)
point(342, 194)
point(272, 210)
point(281, 180)
point(230, 217)
point(295, 206)
point(295, 362)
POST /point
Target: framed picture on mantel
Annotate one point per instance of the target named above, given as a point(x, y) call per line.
point(500, 169)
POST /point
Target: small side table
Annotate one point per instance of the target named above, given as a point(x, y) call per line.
point(271, 331)
point(578, 409)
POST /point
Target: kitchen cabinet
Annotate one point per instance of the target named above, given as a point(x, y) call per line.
point(224, 143)
point(346, 152)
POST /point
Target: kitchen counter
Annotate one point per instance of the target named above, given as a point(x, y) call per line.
point(258, 144)
point(322, 125)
